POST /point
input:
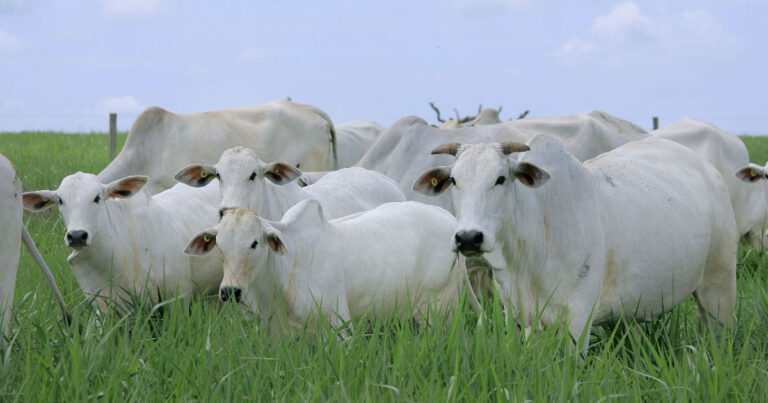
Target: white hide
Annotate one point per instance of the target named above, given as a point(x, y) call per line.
point(353, 139)
point(728, 154)
point(488, 116)
point(160, 142)
point(247, 182)
point(10, 244)
point(134, 241)
point(402, 152)
point(394, 259)
point(630, 233)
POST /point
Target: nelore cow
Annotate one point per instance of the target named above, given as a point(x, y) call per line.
point(126, 239)
point(271, 189)
point(630, 233)
point(14, 232)
point(160, 142)
point(392, 260)
point(729, 155)
point(354, 138)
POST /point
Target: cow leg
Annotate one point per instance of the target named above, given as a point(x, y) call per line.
point(716, 296)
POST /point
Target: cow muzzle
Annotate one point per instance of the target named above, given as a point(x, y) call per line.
point(469, 242)
point(230, 293)
point(77, 239)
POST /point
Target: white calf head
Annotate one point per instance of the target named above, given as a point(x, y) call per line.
point(82, 202)
point(484, 180)
point(242, 177)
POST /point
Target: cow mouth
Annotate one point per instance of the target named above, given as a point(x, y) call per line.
point(470, 253)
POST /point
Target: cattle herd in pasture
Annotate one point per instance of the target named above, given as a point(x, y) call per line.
point(582, 218)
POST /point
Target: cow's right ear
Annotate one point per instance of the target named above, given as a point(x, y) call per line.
point(40, 200)
point(197, 175)
point(751, 173)
point(202, 244)
point(126, 187)
point(280, 173)
point(530, 175)
point(274, 240)
point(433, 182)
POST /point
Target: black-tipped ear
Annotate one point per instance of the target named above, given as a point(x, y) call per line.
point(197, 175)
point(274, 241)
point(126, 187)
point(434, 182)
point(39, 201)
point(751, 173)
point(281, 173)
point(202, 244)
point(530, 175)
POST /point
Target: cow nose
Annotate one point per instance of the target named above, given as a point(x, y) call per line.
point(222, 211)
point(77, 238)
point(469, 241)
point(225, 293)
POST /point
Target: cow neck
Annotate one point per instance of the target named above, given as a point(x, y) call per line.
point(277, 199)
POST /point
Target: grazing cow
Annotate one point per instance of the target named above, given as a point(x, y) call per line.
point(160, 142)
point(354, 138)
point(10, 245)
point(728, 154)
point(399, 152)
point(125, 239)
point(630, 233)
point(270, 189)
point(394, 259)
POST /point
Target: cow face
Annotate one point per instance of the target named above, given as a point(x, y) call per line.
point(484, 181)
point(82, 202)
point(242, 177)
point(246, 241)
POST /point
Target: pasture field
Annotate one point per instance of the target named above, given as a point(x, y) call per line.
point(207, 351)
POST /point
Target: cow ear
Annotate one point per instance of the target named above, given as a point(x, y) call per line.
point(197, 175)
point(126, 187)
point(530, 175)
point(202, 244)
point(751, 173)
point(433, 182)
point(280, 173)
point(274, 240)
point(40, 200)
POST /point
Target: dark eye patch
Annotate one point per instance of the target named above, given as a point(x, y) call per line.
point(61, 202)
point(253, 176)
point(97, 199)
point(253, 245)
point(452, 180)
point(500, 180)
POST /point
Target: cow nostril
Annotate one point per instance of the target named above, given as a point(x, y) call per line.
point(69, 236)
point(84, 237)
point(478, 239)
point(457, 239)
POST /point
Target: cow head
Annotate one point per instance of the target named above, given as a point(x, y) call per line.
point(242, 177)
point(82, 202)
point(484, 180)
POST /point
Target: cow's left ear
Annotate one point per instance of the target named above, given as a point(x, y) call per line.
point(529, 175)
point(274, 240)
point(280, 173)
point(751, 173)
point(196, 175)
point(433, 182)
point(202, 244)
point(126, 187)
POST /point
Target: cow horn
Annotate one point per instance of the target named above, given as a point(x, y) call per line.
point(513, 147)
point(449, 148)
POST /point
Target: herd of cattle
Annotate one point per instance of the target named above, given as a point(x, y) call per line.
point(585, 217)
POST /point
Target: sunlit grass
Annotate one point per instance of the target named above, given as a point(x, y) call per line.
point(207, 351)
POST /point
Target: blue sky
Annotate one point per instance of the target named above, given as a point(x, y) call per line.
point(65, 64)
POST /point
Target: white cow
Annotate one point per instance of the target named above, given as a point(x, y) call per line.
point(394, 259)
point(630, 233)
point(125, 239)
point(353, 139)
point(488, 116)
point(10, 245)
point(160, 142)
point(402, 151)
point(271, 189)
point(728, 154)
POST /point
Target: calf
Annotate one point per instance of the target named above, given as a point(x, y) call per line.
point(630, 233)
point(394, 259)
point(125, 239)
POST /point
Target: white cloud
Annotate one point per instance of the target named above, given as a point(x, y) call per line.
point(126, 104)
point(251, 54)
point(9, 43)
point(130, 9)
point(626, 34)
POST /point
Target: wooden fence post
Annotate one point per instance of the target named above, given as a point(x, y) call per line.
point(655, 122)
point(112, 135)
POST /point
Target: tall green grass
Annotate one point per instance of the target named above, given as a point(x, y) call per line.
point(208, 351)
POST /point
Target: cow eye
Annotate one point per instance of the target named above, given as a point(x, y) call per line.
point(253, 176)
point(453, 181)
point(97, 199)
point(61, 202)
point(500, 180)
point(253, 245)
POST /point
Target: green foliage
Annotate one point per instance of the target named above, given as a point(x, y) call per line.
point(207, 351)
